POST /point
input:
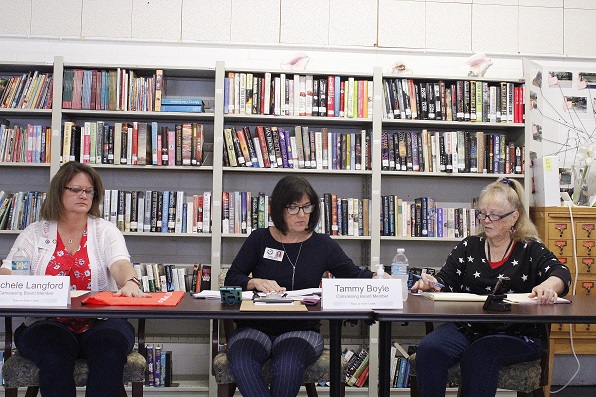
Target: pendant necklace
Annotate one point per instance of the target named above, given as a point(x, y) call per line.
point(292, 263)
point(69, 241)
point(506, 251)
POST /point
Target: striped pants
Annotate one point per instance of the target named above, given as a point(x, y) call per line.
point(291, 353)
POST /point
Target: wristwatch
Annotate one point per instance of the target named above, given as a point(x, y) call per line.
point(134, 280)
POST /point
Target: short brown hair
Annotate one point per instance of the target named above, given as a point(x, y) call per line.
point(52, 209)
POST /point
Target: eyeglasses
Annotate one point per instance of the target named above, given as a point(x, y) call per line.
point(492, 217)
point(78, 191)
point(294, 209)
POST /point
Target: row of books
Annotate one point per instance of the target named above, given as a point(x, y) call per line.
point(158, 277)
point(273, 147)
point(159, 366)
point(459, 100)
point(158, 211)
point(32, 90)
point(243, 212)
point(357, 367)
point(136, 143)
point(451, 151)
point(19, 210)
point(400, 365)
point(29, 144)
point(422, 217)
point(297, 95)
point(115, 89)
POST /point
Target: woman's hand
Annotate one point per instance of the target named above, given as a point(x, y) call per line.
point(425, 283)
point(548, 291)
point(131, 289)
point(264, 285)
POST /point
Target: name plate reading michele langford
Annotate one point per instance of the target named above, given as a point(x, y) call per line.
point(361, 294)
point(34, 291)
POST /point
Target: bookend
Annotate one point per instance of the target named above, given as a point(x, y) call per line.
point(496, 303)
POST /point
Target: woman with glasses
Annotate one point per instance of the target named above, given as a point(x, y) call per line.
point(507, 250)
point(289, 255)
point(72, 240)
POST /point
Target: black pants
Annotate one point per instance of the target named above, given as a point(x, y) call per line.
point(54, 349)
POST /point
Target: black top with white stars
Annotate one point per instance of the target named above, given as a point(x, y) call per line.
point(529, 264)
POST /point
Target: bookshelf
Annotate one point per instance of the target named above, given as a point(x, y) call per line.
point(218, 249)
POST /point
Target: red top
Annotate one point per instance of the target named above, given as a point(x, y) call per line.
point(495, 265)
point(76, 265)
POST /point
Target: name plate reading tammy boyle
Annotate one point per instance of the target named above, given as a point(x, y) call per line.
point(34, 291)
point(361, 294)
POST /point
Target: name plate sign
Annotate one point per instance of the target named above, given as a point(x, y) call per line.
point(361, 294)
point(34, 291)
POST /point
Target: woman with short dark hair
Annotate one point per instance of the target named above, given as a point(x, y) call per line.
point(286, 256)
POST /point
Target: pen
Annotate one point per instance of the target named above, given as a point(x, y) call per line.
point(435, 283)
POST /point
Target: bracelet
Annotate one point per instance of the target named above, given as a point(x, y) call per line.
point(134, 280)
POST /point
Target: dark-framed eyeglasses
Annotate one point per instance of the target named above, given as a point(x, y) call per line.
point(294, 209)
point(492, 217)
point(79, 191)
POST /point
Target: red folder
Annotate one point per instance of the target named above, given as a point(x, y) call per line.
point(155, 299)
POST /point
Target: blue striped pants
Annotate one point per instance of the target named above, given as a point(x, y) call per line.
point(291, 353)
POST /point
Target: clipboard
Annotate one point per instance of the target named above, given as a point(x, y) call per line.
point(249, 306)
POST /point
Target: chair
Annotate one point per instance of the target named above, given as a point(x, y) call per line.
point(226, 384)
point(529, 379)
point(18, 371)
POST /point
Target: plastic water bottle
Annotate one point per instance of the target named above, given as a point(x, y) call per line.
point(399, 269)
point(21, 264)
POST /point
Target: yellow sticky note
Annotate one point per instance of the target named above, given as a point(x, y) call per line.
point(548, 164)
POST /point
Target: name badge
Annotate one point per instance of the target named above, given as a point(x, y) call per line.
point(34, 291)
point(361, 294)
point(273, 254)
point(47, 243)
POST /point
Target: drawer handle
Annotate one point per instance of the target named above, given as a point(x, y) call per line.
point(588, 262)
point(561, 227)
point(588, 285)
point(560, 327)
point(588, 327)
point(588, 227)
point(561, 244)
point(589, 244)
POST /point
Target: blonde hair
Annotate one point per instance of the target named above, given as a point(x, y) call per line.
point(511, 191)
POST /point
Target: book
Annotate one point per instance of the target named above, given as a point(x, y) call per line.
point(182, 108)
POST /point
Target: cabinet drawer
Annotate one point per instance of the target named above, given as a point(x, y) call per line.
point(586, 247)
point(585, 285)
point(560, 328)
point(561, 229)
point(585, 329)
point(586, 265)
point(561, 247)
point(585, 229)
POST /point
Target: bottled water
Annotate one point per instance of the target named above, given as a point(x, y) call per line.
point(20, 264)
point(399, 269)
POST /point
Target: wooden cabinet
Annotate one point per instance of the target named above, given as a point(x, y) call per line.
point(571, 236)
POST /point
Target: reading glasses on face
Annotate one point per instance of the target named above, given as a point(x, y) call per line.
point(294, 209)
point(492, 217)
point(79, 191)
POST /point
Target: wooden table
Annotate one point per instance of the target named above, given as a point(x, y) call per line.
point(418, 308)
point(190, 308)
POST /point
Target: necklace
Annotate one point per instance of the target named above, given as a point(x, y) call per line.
point(292, 263)
point(506, 251)
point(69, 241)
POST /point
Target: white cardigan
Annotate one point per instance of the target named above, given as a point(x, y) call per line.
point(105, 245)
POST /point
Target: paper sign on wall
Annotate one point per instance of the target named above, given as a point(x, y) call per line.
point(361, 294)
point(34, 291)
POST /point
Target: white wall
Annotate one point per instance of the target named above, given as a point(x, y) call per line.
point(431, 37)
